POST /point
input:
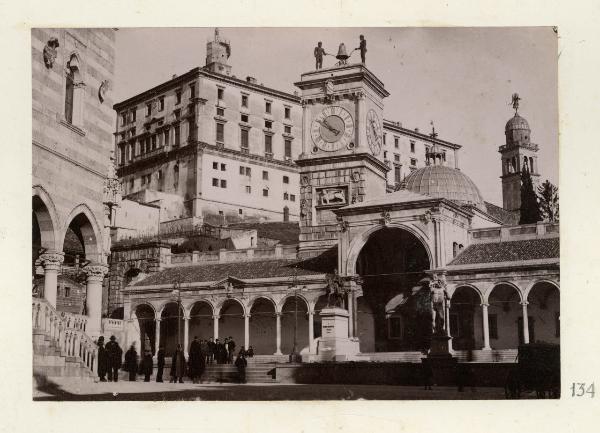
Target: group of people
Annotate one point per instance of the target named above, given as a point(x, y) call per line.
point(201, 353)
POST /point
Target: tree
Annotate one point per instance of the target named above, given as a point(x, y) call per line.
point(548, 199)
point(530, 210)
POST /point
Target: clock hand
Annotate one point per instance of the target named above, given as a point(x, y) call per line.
point(328, 126)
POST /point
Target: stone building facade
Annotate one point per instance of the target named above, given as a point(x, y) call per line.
point(72, 72)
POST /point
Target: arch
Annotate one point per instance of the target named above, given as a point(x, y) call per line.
point(188, 310)
point(505, 315)
point(543, 307)
point(45, 212)
point(161, 309)
point(263, 297)
point(219, 307)
point(136, 305)
point(201, 323)
point(84, 218)
point(147, 325)
point(470, 286)
point(263, 326)
point(486, 298)
point(466, 319)
point(294, 324)
point(533, 284)
point(361, 240)
point(291, 296)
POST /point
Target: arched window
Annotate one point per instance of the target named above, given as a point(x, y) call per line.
point(73, 91)
point(531, 165)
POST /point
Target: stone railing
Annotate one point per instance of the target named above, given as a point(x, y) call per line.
point(227, 256)
point(514, 233)
point(65, 332)
point(74, 321)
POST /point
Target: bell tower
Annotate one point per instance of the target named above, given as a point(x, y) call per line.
point(217, 54)
point(518, 154)
point(341, 161)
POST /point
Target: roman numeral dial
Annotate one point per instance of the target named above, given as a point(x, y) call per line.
point(332, 129)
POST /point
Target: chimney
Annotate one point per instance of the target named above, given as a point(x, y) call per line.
point(416, 129)
point(250, 79)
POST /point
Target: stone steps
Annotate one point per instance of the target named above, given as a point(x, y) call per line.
point(414, 357)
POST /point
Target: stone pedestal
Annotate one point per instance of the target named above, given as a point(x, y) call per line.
point(441, 346)
point(442, 363)
point(335, 344)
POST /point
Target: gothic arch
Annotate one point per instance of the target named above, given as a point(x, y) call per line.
point(47, 217)
point(361, 240)
point(93, 249)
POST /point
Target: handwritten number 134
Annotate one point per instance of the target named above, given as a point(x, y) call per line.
point(581, 389)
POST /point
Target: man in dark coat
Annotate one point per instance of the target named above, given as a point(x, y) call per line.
point(147, 365)
point(115, 355)
point(211, 351)
point(160, 358)
point(195, 360)
point(230, 350)
point(178, 365)
point(102, 359)
point(241, 364)
point(218, 351)
point(131, 362)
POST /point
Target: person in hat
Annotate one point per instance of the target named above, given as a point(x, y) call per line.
point(102, 359)
point(115, 354)
point(160, 358)
point(131, 362)
point(196, 360)
point(178, 365)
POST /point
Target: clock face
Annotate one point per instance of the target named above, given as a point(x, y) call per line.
point(374, 132)
point(332, 129)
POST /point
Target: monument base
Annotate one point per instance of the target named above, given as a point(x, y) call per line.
point(335, 345)
point(441, 346)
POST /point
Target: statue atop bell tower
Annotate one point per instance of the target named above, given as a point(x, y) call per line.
point(341, 161)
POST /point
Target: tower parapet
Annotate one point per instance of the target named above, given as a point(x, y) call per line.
point(217, 54)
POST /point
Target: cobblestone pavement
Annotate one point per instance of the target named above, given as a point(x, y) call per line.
point(152, 391)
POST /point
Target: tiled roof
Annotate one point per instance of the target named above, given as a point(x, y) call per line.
point(508, 218)
point(287, 233)
point(325, 263)
point(494, 252)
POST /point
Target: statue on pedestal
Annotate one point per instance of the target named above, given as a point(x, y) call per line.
point(319, 53)
point(336, 294)
point(439, 296)
point(363, 49)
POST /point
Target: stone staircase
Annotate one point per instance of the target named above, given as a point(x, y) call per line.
point(255, 373)
point(61, 348)
point(494, 355)
point(414, 357)
point(267, 359)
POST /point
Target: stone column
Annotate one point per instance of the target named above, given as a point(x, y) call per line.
point(311, 331)
point(486, 327)
point(246, 331)
point(351, 313)
point(305, 129)
point(157, 337)
point(93, 299)
point(447, 317)
point(186, 334)
point(278, 333)
point(51, 262)
point(525, 323)
point(360, 121)
point(216, 327)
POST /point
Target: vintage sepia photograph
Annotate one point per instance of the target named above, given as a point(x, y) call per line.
point(295, 213)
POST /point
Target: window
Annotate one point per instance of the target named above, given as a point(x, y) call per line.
point(67, 292)
point(215, 182)
point(384, 139)
point(244, 138)
point(397, 177)
point(132, 133)
point(153, 142)
point(396, 157)
point(412, 146)
point(131, 183)
point(161, 103)
point(215, 165)
point(287, 151)
point(286, 196)
point(177, 135)
point(167, 137)
point(267, 107)
point(132, 115)
point(178, 97)
point(223, 183)
point(148, 109)
point(122, 136)
point(220, 112)
point(286, 179)
point(493, 325)
point(287, 129)
point(265, 175)
point(242, 170)
point(286, 112)
point(240, 212)
point(443, 155)
point(413, 161)
point(220, 132)
point(248, 189)
point(245, 101)
point(292, 197)
point(265, 192)
point(248, 171)
point(220, 93)
point(268, 145)
point(122, 153)
point(223, 167)
point(123, 119)
point(396, 142)
point(268, 124)
point(245, 118)
point(192, 91)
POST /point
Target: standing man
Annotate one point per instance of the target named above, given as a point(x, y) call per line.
point(102, 359)
point(131, 362)
point(147, 364)
point(363, 49)
point(211, 351)
point(115, 355)
point(195, 360)
point(230, 350)
point(160, 357)
point(319, 53)
point(178, 365)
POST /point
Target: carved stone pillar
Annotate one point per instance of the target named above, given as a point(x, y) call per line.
point(216, 327)
point(186, 334)
point(51, 262)
point(311, 331)
point(360, 119)
point(157, 336)
point(525, 323)
point(246, 331)
point(486, 327)
point(278, 333)
point(95, 276)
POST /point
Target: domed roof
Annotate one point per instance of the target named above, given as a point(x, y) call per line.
point(440, 181)
point(516, 122)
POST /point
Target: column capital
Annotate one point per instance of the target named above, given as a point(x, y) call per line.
point(157, 319)
point(52, 260)
point(524, 303)
point(278, 314)
point(248, 315)
point(95, 272)
point(485, 304)
point(216, 317)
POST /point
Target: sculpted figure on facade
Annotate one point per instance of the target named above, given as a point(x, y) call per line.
point(50, 52)
point(336, 295)
point(439, 297)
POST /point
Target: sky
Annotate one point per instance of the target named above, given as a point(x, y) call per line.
point(462, 79)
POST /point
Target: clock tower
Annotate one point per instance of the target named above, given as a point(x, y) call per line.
point(342, 160)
